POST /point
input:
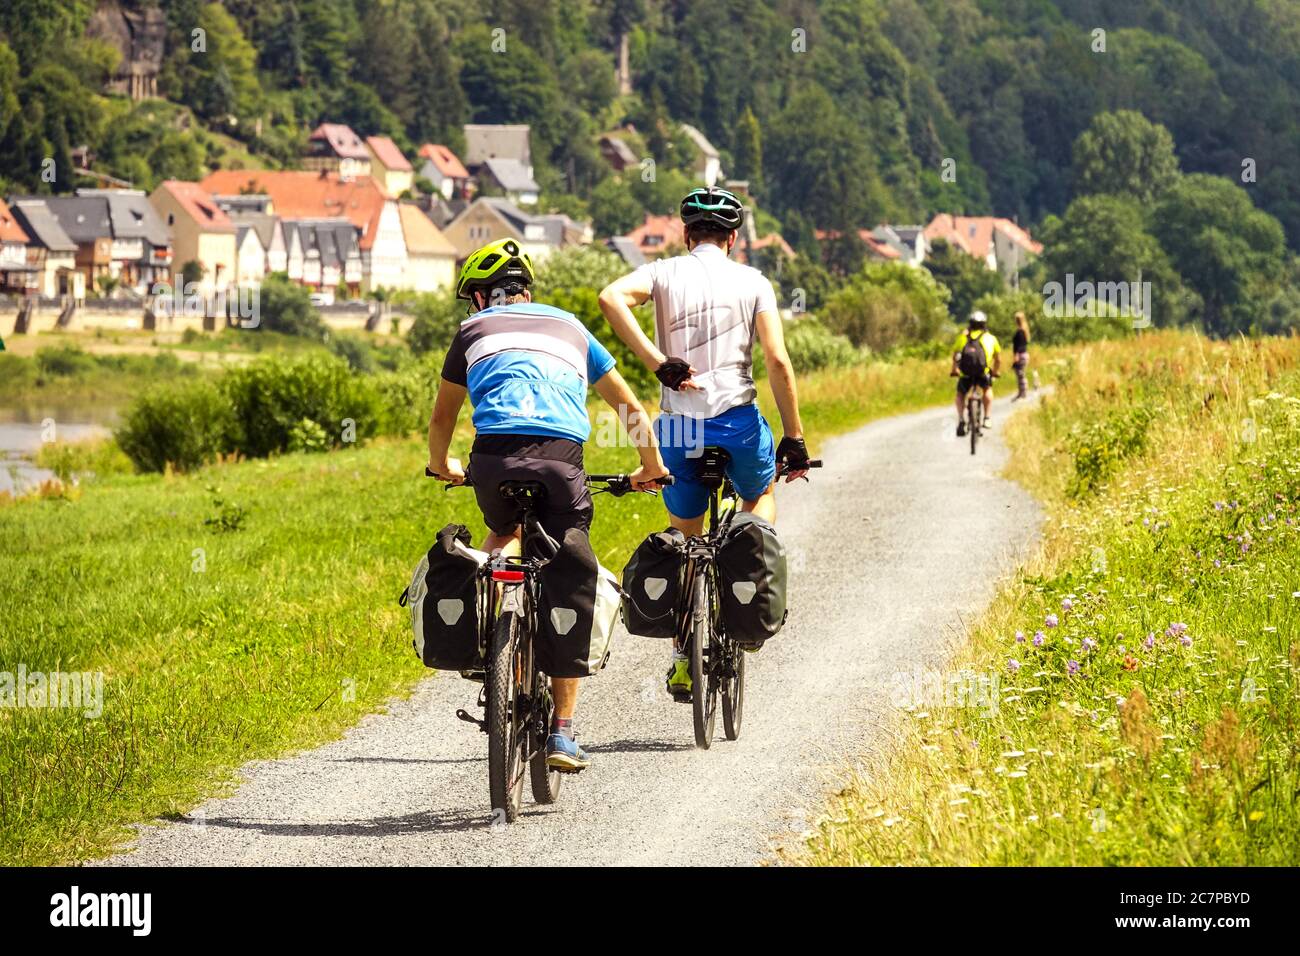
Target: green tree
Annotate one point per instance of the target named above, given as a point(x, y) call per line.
point(887, 305)
point(965, 277)
point(748, 153)
point(1124, 154)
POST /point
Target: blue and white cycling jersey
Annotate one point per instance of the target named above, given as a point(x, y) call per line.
point(527, 367)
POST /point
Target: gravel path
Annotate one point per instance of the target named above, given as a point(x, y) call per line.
point(883, 575)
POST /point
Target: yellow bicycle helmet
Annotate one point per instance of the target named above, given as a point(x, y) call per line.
point(498, 263)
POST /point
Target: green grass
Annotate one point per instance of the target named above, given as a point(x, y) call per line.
point(222, 646)
point(63, 378)
point(1158, 722)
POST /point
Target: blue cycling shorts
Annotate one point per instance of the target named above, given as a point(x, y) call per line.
point(741, 431)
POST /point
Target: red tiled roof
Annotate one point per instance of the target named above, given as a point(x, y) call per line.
point(445, 160)
point(197, 202)
point(341, 140)
point(308, 195)
point(877, 248)
point(974, 234)
point(10, 231)
point(762, 242)
point(657, 233)
point(386, 152)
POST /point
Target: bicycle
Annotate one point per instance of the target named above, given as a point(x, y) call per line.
point(717, 660)
point(516, 695)
point(975, 412)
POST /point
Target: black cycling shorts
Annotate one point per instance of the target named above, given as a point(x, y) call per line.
point(965, 382)
point(555, 462)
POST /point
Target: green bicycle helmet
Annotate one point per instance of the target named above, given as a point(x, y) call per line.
point(714, 206)
point(499, 263)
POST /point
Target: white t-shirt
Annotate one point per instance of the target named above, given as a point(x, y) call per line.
point(705, 307)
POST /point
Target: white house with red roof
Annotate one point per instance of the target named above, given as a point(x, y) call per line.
point(335, 148)
point(388, 166)
point(1000, 243)
point(201, 233)
point(445, 171)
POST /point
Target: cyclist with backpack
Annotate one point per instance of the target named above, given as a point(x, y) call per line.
point(976, 360)
point(526, 368)
point(708, 310)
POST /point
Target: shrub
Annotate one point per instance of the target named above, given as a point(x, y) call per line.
point(273, 396)
point(886, 305)
point(284, 306)
point(437, 316)
point(63, 360)
point(185, 426)
point(356, 351)
point(83, 459)
point(406, 398)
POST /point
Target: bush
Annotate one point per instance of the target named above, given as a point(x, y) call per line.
point(185, 427)
point(813, 347)
point(437, 317)
point(356, 351)
point(274, 396)
point(284, 306)
point(406, 399)
point(63, 360)
point(83, 459)
point(887, 305)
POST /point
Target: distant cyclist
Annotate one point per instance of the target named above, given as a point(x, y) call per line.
point(976, 361)
point(526, 368)
point(708, 310)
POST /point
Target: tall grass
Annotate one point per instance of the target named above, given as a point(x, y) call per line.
point(1144, 667)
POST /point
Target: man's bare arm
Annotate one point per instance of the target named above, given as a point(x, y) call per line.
point(442, 423)
point(616, 393)
point(617, 301)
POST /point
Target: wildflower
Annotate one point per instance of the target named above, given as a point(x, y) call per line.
point(1067, 606)
point(1150, 642)
point(1051, 620)
point(1218, 506)
point(1245, 546)
point(1088, 645)
point(1020, 637)
point(1176, 630)
point(1217, 564)
point(1072, 668)
point(1039, 638)
point(1013, 665)
point(1130, 662)
point(1185, 640)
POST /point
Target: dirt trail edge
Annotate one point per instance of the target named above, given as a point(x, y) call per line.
point(897, 541)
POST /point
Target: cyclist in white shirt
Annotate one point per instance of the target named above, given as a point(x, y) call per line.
point(708, 310)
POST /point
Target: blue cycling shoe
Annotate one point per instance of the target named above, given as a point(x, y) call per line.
point(564, 754)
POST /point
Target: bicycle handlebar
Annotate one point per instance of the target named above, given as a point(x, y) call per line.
point(619, 485)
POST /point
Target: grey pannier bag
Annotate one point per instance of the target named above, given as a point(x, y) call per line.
point(577, 610)
point(444, 600)
point(652, 584)
point(752, 576)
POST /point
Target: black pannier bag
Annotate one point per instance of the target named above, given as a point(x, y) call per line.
point(752, 575)
point(443, 598)
point(652, 584)
point(577, 609)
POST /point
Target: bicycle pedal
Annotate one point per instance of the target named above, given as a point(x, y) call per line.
point(464, 715)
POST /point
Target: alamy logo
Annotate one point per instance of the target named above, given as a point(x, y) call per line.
point(73, 690)
point(1088, 300)
point(103, 909)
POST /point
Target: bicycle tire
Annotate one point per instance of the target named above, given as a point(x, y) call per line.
point(544, 782)
point(973, 408)
point(703, 691)
point(733, 695)
point(507, 742)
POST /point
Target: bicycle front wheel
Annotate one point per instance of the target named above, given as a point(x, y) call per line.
point(704, 690)
point(507, 737)
point(733, 693)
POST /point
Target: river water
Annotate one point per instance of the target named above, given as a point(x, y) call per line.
point(23, 432)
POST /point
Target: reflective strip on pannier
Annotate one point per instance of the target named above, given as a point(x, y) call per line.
point(444, 600)
point(752, 570)
point(652, 584)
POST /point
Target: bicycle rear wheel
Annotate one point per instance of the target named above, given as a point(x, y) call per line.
point(544, 781)
point(975, 412)
point(507, 738)
point(733, 693)
point(704, 690)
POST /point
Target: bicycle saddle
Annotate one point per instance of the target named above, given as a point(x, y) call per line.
point(712, 469)
point(521, 491)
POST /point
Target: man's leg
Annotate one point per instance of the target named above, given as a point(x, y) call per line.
point(764, 505)
point(687, 526)
point(565, 691)
point(988, 402)
point(508, 543)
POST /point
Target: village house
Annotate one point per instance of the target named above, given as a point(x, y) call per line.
point(201, 233)
point(658, 235)
point(489, 218)
point(876, 249)
point(256, 212)
point(118, 241)
point(329, 254)
point(999, 243)
point(388, 166)
point(335, 148)
point(908, 241)
point(444, 171)
point(617, 153)
point(142, 245)
point(500, 159)
point(430, 256)
point(708, 163)
point(15, 269)
point(51, 253)
point(297, 195)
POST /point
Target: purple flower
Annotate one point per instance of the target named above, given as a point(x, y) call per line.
point(1072, 668)
point(1245, 546)
point(1020, 637)
point(1013, 665)
point(1039, 638)
point(1051, 620)
point(1217, 564)
point(1176, 630)
point(1185, 640)
point(1067, 606)
point(1218, 506)
point(1150, 642)
point(1088, 645)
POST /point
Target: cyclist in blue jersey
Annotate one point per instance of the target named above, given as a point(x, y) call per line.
point(526, 368)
